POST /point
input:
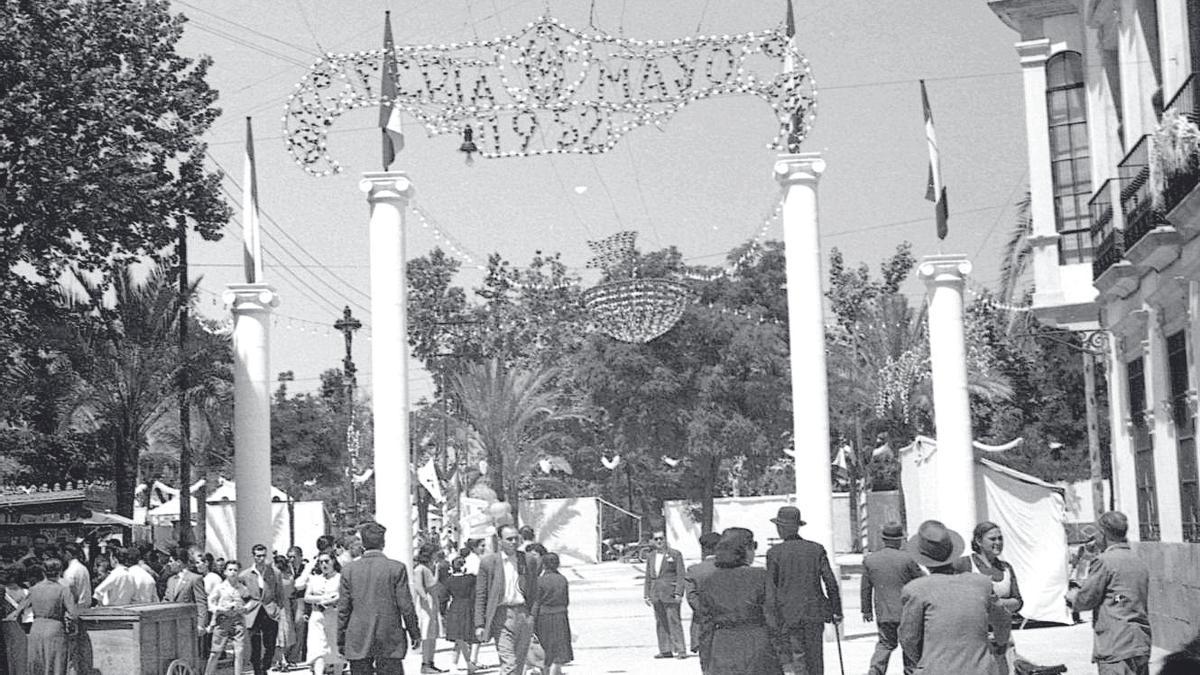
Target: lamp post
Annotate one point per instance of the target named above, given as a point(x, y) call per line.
point(347, 325)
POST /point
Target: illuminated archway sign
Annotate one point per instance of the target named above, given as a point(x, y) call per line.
point(552, 89)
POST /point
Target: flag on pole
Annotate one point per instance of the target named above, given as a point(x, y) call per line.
point(251, 229)
point(389, 115)
point(935, 191)
point(789, 66)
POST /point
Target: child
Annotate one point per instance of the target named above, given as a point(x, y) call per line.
point(227, 606)
point(550, 622)
point(460, 626)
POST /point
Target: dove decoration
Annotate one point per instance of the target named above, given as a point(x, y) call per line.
point(611, 464)
point(670, 461)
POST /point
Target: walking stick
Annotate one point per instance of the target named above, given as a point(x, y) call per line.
point(837, 633)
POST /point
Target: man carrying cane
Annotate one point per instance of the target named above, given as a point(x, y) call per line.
point(797, 569)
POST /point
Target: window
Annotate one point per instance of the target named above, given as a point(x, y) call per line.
point(1143, 453)
point(1185, 436)
point(1070, 169)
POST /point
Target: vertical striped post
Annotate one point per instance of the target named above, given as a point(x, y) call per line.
point(863, 518)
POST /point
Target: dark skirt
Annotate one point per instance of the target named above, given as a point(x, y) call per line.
point(459, 625)
point(744, 651)
point(554, 632)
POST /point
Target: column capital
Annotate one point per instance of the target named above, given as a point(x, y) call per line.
point(1033, 53)
point(937, 270)
point(249, 298)
point(803, 167)
point(386, 186)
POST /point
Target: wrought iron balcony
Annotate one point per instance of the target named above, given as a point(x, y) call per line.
point(1107, 241)
point(1186, 102)
point(1137, 205)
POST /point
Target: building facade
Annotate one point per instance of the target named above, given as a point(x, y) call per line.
point(1112, 101)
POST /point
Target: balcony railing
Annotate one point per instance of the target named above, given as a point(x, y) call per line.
point(1140, 214)
point(1107, 241)
point(1186, 102)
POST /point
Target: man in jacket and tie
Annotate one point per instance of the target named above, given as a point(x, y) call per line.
point(797, 569)
point(505, 589)
point(884, 574)
point(262, 609)
point(663, 590)
point(188, 586)
point(375, 609)
point(701, 632)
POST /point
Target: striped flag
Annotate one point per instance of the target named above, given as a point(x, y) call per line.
point(789, 66)
point(936, 190)
point(389, 115)
point(251, 229)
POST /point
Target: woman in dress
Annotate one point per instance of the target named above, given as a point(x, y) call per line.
point(425, 596)
point(322, 594)
point(285, 638)
point(53, 609)
point(227, 617)
point(731, 600)
point(550, 622)
point(460, 622)
point(987, 543)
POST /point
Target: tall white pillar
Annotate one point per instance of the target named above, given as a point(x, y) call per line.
point(1158, 409)
point(251, 305)
point(388, 193)
point(798, 174)
point(954, 461)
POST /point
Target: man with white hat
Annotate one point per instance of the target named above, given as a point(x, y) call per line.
point(884, 574)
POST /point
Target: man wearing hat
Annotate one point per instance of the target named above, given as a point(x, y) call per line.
point(796, 571)
point(1117, 587)
point(884, 574)
point(701, 631)
point(944, 617)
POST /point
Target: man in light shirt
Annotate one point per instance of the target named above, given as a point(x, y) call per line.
point(123, 586)
point(504, 593)
point(75, 575)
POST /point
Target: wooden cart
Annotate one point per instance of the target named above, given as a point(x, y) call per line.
point(150, 639)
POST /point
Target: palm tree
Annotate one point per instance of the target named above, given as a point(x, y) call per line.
point(511, 414)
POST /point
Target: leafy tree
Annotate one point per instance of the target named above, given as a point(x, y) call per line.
point(100, 158)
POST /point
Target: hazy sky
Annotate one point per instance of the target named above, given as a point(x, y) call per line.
point(703, 183)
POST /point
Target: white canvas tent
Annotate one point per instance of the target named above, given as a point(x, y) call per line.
point(1030, 511)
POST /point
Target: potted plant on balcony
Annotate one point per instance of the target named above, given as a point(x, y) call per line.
point(1175, 152)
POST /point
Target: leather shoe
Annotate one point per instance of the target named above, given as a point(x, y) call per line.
point(664, 655)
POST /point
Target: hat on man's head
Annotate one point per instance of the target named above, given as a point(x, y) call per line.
point(892, 530)
point(1114, 523)
point(788, 515)
point(935, 545)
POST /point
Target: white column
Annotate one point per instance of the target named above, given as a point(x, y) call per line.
point(251, 305)
point(1173, 45)
point(1138, 82)
point(799, 174)
point(1044, 238)
point(1158, 404)
point(388, 194)
point(954, 461)
point(1124, 475)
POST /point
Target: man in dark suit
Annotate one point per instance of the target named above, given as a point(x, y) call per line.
point(1117, 588)
point(701, 632)
point(944, 617)
point(375, 610)
point(505, 589)
point(187, 585)
point(884, 574)
point(262, 609)
point(796, 571)
point(663, 590)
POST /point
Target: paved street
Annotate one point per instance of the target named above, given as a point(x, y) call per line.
point(615, 632)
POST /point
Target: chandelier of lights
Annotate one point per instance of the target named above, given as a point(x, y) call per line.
point(632, 310)
point(551, 89)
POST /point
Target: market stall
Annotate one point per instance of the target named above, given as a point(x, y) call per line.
point(60, 513)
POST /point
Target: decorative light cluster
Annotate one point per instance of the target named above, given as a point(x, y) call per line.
point(636, 310)
point(750, 256)
point(552, 89)
point(612, 250)
point(428, 222)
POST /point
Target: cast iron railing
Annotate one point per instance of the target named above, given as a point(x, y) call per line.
point(1186, 102)
point(1134, 172)
point(1107, 242)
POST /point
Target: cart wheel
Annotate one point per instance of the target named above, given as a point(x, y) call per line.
point(180, 667)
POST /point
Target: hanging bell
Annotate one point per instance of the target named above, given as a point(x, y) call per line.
point(468, 145)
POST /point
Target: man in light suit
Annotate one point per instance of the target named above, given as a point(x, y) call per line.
point(663, 590)
point(802, 592)
point(375, 609)
point(885, 572)
point(505, 589)
point(187, 586)
point(701, 632)
point(944, 617)
point(263, 608)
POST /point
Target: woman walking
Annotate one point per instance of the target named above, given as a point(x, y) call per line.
point(227, 622)
point(987, 543)
point(53, 611)
point(731, 600)
point(460, 622)
point(285, 639)
point(550, 622)
point(425, 595)
point(322, 595)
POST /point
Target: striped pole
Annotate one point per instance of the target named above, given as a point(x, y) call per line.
point(863, 518)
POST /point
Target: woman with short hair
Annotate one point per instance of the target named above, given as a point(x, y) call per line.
point(550, 621)
point(54, 609)
point(322, 594)
point(425, 595)
point(732, 601)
